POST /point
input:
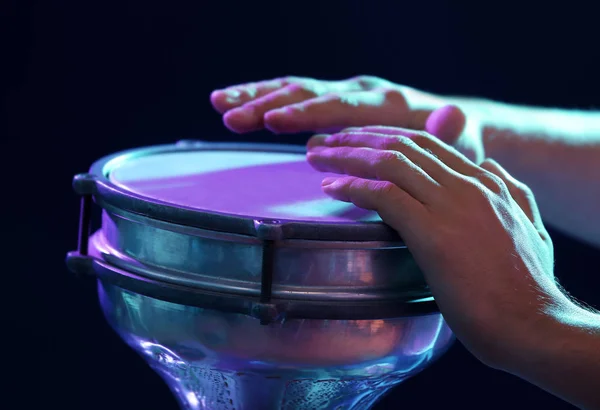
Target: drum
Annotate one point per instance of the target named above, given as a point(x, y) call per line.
point(244, 286)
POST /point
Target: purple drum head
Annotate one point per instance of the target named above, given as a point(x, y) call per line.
point(271, 185)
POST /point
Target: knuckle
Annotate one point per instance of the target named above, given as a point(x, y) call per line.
point(340, 139)
point(291, 79)
point(383, 189)
point(527, 192)
point(301, 88)
point(524, 193)
point(399, 144)
point(390, 144)
point(387, 160)
point(250, 89)
point(492, 182)
point(422, 139)
point(295, 87)
point(467, 182)
point(349, 100)
point(367, 81)
point(475, 189)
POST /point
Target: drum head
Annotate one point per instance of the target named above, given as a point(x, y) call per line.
point(258, 185)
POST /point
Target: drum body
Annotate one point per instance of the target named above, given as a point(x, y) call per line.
point(245, 287)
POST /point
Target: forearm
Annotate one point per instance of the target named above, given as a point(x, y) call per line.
point(556, 153)
point(564, 359)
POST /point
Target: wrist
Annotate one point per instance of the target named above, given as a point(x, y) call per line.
point(492, 124)
point(565, 334)
point(563, 356)
point(506, 127)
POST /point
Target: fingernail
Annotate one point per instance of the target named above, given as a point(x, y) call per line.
point(328, 181)
point(317, 141)
point(231, 96)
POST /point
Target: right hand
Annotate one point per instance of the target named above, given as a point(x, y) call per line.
point(475, 232)
point(295, 104)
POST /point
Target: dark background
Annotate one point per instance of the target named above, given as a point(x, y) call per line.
point(83, 79)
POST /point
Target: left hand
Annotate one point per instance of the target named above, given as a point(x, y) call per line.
point(475, 232)
point(299, 104)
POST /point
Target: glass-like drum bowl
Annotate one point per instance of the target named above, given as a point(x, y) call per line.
point(223, 361)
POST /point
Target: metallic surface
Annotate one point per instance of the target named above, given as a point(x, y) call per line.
point(222, 262)
point(215, 360)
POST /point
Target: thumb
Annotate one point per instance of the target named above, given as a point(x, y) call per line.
point(446, 123)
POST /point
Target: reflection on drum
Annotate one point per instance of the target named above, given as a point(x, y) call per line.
point(244, 286)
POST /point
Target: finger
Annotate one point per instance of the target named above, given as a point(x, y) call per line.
point(339, 110)
point(249, 116)
point(446, 123)
point(518, 191)
point(393, 138)
point(395, 206)
point(376, 164)
point(237, 95)
point(422, 156)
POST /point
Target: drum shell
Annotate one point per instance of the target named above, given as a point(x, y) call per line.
point(233, 264)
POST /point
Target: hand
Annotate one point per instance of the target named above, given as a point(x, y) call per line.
point(294, 104)
point(475, 232)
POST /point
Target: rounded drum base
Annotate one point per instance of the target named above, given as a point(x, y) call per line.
point(224, 361)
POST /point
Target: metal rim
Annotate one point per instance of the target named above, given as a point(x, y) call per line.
point(275, 311)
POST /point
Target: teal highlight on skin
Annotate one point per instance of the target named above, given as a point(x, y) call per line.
point(232, 96)
point(363, 98)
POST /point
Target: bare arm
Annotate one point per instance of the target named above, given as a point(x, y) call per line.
point(556, 153)
point(563, 358)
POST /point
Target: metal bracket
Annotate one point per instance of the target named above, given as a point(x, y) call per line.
point(78, 261)
point(80, 265)
point(269, 231)
point(267, 313)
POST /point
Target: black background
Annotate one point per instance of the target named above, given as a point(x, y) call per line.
point(83, 79)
